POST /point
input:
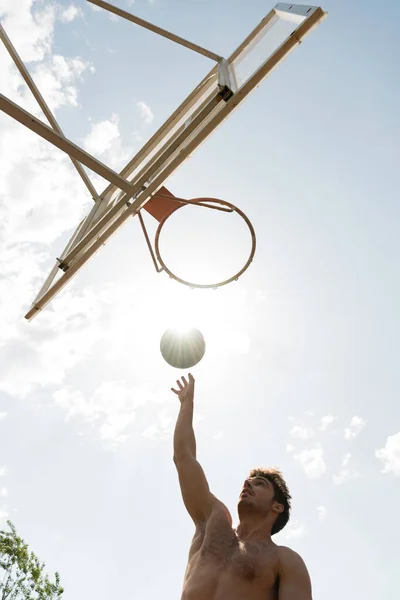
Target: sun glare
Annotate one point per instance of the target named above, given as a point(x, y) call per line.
point(220, 315)
point(181, 327)
point(172, 305)
point(185, 309)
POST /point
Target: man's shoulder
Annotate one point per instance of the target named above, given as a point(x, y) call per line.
point(294, 579)
point(218, 515)
point(289, 559)
point(219, 507)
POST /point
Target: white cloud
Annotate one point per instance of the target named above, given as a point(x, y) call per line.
point(290, 448)
point(302, 432)
point(346, 459)
point(326, 421)
point(162, 429)
point(119, 413)
point(261, 296)
point(102, 135)
point(153, 432)
point(390, 455)
point(41, 352)
point(104, 139)
point(145, 111)
point(56, 79)
point(2, 415)
point(295, 530)
point(355, 427)
point(70, 13)
point(3, 492)
point(219, 435)
point(111, 408)
point(31, 35)
point(345, 475)
point(312, 462)
point(3, 471)
point(75, 403)
point(321, 512)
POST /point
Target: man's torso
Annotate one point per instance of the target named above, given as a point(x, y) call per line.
point(222, 567)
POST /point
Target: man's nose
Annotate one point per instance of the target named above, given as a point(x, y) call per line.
point(247, 484)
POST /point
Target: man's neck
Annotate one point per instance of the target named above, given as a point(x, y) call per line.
point(254, 527)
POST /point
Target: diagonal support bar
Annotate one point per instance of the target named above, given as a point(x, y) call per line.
point(163, 32)
point(161, 166)
point(61, 142)
point(42, 103)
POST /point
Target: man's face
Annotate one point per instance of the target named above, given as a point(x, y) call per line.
point(257, 493)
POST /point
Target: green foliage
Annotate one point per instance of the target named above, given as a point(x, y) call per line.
point(22, 575)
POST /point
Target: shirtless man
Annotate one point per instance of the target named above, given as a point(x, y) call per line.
point(242, 563)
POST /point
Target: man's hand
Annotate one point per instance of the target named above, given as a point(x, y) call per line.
point(185, 391)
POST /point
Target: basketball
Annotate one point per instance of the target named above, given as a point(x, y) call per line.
point(182, 349)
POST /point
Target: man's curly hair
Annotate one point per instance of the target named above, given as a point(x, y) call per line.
point(281, 494)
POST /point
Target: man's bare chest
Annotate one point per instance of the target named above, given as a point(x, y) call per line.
point(219, 552)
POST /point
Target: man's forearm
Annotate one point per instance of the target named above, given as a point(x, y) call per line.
point(184, 439)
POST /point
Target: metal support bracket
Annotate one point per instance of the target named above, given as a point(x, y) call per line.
point(226, 85)
point(148, 242)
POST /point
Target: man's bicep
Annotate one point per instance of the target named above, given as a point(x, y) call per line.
point(294, 580)
point(194, 487)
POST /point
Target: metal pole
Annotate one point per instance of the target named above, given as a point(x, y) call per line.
point(163, 32)
point(61, 142)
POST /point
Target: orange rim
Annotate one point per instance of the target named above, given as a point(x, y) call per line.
point(207, 285)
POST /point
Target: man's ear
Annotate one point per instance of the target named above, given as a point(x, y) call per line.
point(278, 508)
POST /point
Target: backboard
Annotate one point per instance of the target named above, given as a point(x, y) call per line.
point(221, 91)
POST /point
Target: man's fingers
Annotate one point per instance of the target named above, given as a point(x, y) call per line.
point(182, 385)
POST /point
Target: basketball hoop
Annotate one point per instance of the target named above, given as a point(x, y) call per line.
point(163, 205)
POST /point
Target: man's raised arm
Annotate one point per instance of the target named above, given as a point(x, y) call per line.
point(194, 487)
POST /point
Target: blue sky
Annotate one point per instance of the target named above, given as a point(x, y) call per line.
point(301, 368)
